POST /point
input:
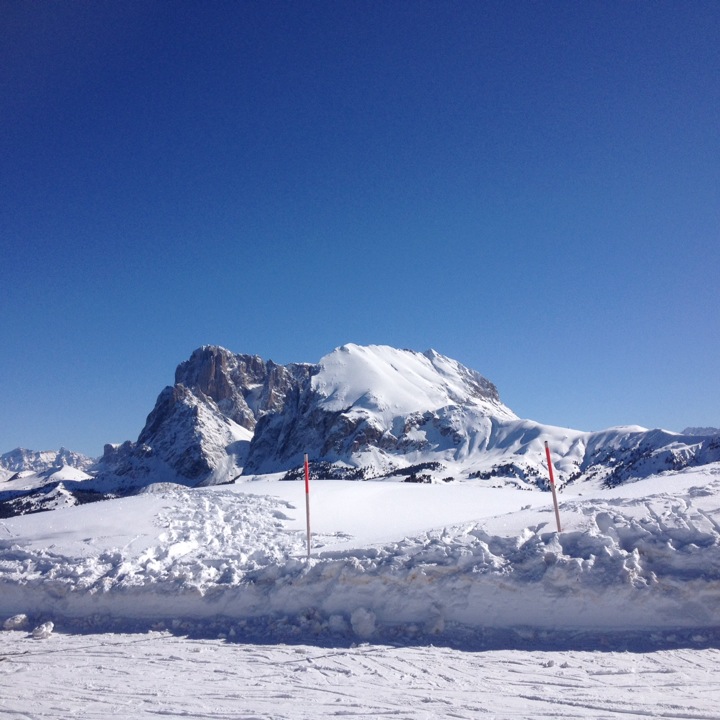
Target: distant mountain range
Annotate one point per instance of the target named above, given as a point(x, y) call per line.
point(21, 460)
point(362, 412)
point(701, 431)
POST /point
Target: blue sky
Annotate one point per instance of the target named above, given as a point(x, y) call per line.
point(532, 188)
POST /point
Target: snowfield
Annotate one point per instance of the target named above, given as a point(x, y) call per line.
point(156, 674)
point(441, 600)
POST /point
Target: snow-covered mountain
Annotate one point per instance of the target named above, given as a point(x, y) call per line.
point(701, 431)
point(375, 409)
point(360, 413)
point(372, 411)
point(21, 460)
point(32, 480)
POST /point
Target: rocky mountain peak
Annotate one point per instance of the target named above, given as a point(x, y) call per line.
point(200, 428)
point(702, 431)
point(231, 380)
point(375, 409)
point(219, 373)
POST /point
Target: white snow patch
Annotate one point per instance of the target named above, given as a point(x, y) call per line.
point(16, 622)
point(363, 622)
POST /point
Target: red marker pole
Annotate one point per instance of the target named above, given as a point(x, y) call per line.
point(307, 501)
point(552, 485)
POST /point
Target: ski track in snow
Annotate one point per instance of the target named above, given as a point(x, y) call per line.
point(160, 675)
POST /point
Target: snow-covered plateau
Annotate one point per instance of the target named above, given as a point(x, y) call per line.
point(172, 579)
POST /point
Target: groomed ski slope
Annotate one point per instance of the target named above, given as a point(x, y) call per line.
point(158, 674)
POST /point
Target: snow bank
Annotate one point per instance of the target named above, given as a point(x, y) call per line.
point(636, 559)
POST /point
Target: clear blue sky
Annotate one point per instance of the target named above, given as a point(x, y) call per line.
point(532, 188)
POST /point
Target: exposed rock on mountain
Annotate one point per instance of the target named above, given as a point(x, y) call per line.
point(244, 387)
point(701, 431)
point(200, 429)
point(361, 412)
point(370, 412)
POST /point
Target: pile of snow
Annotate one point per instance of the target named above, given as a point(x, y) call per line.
point(389, 561)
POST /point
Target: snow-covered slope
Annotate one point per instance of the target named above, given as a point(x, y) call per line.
point(202, 604)
point(390, 383)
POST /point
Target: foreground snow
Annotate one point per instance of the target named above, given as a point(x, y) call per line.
point(391, 562)
point(419, 601)
point(158, 674)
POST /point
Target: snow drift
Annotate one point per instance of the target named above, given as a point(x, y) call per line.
point(390, 561)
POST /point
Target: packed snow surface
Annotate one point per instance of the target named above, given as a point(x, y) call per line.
point(417, 601)
point(159, 674)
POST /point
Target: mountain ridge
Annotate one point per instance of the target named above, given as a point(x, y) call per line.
point(24, 460)
point(367, 412)
point(380, 410)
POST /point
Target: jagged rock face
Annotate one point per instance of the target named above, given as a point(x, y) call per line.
point(186, 439)
point(200, 429)
point(230, 380)
point(704, 431)
point(244, 387)
point(171, 431)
